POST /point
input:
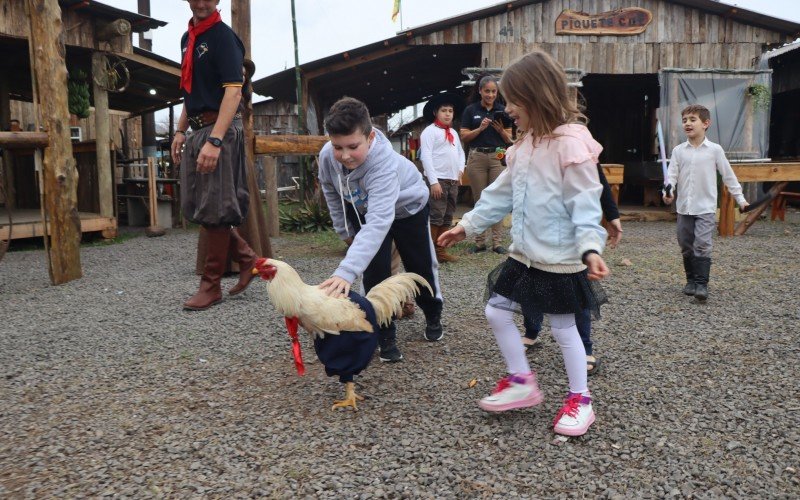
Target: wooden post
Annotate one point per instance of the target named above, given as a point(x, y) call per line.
point(105, 180)
point(5, 122)
point(726, 213)
point(271, 190)
point(254, 228)
point(60, 174)
point(152, 200)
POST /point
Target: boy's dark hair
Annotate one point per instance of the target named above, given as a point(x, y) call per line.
point(347, 116)
point(443, 104)
point(697, 109)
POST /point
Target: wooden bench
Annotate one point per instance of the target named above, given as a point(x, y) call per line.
point(779, 204)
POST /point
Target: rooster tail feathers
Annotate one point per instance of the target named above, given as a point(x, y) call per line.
point(388, 296)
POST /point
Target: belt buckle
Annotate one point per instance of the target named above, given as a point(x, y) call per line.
point(197, 122)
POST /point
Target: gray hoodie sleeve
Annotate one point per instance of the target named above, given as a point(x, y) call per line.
point(383, 191)
point(327, 165)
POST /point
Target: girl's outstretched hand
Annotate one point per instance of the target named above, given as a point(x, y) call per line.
point(451, 237)
point(597, 267)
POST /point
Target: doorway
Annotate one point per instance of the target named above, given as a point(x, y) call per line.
point(622, 118)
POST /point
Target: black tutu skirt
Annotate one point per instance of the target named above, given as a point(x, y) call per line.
point(515, 287)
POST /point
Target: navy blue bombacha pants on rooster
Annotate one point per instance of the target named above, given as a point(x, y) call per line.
point(348, 353)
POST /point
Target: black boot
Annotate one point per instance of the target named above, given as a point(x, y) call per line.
point(387, 342)
point(688, 266)
point(433, 327)
point(702, 268)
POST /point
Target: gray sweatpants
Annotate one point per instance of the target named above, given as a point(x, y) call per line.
point(694, 234)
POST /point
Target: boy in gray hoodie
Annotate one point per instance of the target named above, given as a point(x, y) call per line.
point(375, 196)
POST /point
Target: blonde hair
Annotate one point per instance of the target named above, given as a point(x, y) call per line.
point(537, 83)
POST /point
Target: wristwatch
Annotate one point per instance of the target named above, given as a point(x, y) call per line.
point(215, 142)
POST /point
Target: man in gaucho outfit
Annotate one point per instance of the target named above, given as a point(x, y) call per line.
point(212, 158)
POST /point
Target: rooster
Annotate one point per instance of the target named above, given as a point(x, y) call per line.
point(357, 318)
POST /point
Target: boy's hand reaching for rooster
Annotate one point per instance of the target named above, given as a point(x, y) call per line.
point(451, 237)
point(335, 287)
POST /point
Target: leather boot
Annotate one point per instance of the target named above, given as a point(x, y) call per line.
point(246, 258)
point(702, 269)
point(209, 292)
point(441, 252)
point(688, 266)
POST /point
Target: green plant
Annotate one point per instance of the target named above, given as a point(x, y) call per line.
point(311, 216)
point(760, 96)
point(78, 94)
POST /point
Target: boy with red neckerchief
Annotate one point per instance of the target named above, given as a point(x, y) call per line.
point(443, 162)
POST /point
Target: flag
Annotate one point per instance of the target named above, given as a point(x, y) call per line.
point(395, 10)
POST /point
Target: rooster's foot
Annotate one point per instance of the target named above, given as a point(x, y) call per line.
point(350, 397)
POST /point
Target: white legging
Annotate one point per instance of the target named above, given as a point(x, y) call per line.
point(565, 332)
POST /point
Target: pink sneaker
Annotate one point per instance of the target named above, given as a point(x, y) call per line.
point(513, 391)
point(575, 417)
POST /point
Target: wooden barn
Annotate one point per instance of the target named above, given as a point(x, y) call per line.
point(632, 60)
point(122, 81)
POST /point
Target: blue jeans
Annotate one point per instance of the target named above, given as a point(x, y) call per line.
point(583, 320)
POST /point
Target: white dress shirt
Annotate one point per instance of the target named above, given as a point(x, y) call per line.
point(440, 159)
point(692, 171)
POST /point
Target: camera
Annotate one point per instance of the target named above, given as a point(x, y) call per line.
point(499, 115)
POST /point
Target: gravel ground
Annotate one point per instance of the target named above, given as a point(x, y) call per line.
point(109, 388)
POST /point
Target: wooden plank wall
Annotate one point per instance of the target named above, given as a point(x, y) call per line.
point(274, 117)
point(678, 37)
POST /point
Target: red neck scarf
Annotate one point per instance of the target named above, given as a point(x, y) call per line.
point(447, 133)
point(188, 57)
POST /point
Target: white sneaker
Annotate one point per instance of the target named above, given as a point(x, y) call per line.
point(575, 417)
point(513, 391)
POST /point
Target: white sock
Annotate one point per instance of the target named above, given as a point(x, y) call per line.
point(507, 336)
point(566, 334)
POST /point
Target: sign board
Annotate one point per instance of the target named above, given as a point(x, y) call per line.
point(627, 21)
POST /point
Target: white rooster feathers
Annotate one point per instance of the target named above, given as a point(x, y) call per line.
point(320, 314)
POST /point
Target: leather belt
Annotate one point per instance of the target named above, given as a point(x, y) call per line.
point(484, 150)
point(206, 118)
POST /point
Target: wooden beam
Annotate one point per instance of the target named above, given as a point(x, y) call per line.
point(105, 177)
point(349, 62)
point(145, 61)
point(767, 172)
point(281, 145)
point(614, 172)
point(16, 140)
point(109, 31)
point(60, 174)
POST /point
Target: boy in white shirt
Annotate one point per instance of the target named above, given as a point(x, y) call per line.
point(692, 169)
point(443, 163)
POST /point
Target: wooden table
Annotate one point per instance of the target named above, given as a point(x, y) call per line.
point(752, 172)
